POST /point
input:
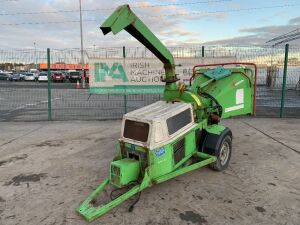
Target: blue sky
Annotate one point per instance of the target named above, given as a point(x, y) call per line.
point(233, 22)
point(225, 22)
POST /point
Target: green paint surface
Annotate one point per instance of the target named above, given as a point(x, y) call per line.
point(215, 129)
point(124, 171)
point(128, 89)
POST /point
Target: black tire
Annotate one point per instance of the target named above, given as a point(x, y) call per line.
point(219, 146)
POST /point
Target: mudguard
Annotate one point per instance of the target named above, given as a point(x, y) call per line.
point(212, 141)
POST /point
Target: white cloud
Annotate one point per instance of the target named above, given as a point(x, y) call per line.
point(169, 29)
point(259, 35)
point(66, 35)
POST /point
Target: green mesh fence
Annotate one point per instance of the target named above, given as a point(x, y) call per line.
point(22, 100)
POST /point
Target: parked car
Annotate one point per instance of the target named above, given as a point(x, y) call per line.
point(4, 76)
point(29, 77)
point(74, 76)
point(66, 75)
point(57, 76)
point(36, 76)
point(43, 76)
point(9, 73)
point(22, 75)
point(15, 77)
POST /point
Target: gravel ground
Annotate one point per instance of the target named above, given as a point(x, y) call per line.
point(47, 169)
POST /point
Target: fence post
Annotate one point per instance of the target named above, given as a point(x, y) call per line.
point(125, 96)
point(124, 53)
point(49, 85)
point(286, 58)
point(202, 51)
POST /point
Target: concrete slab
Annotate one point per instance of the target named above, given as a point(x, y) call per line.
point(47, 169)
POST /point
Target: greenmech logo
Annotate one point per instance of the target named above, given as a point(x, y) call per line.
point(103, 73)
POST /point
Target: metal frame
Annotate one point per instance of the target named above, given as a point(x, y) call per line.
point(90, 213)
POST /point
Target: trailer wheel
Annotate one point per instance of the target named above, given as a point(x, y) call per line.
point(223, 154)
point(219, 146)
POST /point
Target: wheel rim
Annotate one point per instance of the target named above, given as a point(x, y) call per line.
point(224, 153)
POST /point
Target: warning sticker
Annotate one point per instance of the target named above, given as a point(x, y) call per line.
point(239, 96)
